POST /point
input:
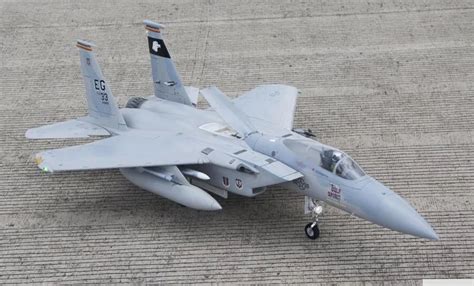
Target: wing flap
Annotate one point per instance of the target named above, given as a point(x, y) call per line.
point(68, 129)
point(273, 103)
point(123, 151)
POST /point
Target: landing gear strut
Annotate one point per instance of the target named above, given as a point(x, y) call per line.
point(315, 208)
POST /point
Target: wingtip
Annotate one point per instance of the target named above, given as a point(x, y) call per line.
point(39, 161)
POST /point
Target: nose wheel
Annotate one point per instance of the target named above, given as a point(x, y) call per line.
point(315, 208)
point(312, 230)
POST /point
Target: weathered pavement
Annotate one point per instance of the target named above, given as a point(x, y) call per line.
point(389, 82)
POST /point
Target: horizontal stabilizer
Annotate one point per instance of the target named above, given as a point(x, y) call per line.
point(67, 129)
point(230, 113)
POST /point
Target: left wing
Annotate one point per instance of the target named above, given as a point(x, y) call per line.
point(273, 103)
point(124, 151)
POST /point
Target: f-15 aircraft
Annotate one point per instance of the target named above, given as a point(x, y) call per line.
point(166, 145)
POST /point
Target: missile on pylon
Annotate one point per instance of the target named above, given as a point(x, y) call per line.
point(196, 174)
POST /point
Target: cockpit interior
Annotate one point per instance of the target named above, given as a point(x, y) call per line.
point(330, 159)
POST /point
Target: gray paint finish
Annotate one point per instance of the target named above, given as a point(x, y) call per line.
point(98, 228)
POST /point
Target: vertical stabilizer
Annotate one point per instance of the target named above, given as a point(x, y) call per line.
point(166, 80)
point(103, 109)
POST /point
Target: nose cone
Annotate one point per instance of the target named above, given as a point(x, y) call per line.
point(384, 207)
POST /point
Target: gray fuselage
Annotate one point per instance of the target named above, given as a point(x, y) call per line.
point(360, 195)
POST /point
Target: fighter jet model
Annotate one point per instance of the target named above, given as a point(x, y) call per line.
point(166, 145)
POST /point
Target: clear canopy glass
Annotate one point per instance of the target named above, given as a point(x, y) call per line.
point(340, 163)
point(330, 159)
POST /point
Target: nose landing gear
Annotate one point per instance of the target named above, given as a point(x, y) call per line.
point(315, 208)
point(312, 230)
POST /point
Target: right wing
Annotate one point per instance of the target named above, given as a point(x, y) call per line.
point(228, 111)
point(124, 151)
point(272, 103)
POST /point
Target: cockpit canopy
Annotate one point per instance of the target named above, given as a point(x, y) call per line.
point(340, 163)
point(328, 158)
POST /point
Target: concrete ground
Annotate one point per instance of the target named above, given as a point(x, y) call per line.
point(389, 82)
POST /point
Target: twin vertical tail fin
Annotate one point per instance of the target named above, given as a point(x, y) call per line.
point(103, 109)
point(167, 82)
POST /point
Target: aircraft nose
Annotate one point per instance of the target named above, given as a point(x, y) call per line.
point(392, 211)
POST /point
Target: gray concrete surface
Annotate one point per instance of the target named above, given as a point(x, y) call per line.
point(389, 82)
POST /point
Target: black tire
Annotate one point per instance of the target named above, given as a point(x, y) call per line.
point(312, 232)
